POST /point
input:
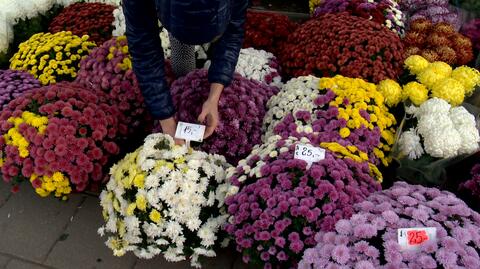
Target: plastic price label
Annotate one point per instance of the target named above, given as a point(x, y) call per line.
point(190, 131)
point(413, 238)
point(309, 153)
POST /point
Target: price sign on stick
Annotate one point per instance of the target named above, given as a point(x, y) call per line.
point(309, 153)
point(190, 131)
point(413, 238)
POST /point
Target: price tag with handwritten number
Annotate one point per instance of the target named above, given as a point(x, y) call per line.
point(413, 238)
point(190, 131)
point(309, 153)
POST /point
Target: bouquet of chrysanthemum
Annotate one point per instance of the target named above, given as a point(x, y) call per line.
point(350, 112)
point(108, 68)
point(386, 12)
point(52, 57)
point(439, 131)
point(92, 19)
point(15, 83)
point(437, 42)
point(258, 65)
point(472, 186)
point(242, 107)
point(342, 44)
point(369, 239)
point(281, 203)
point(432, 10)
point(60, 137)
point(471, 29)
point(267, 31)
point(201, 51)
point(165, 199)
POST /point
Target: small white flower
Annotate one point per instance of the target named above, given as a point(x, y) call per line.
point(410, 144)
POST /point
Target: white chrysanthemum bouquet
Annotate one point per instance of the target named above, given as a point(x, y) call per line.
point(441, 131)
point(165, 199)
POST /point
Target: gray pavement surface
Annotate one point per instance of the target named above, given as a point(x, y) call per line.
point(43, 233)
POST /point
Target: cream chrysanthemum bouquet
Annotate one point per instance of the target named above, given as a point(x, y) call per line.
point(165, 199)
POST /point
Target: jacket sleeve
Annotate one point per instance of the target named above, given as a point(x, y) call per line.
point(148, 61)
point(225, 54)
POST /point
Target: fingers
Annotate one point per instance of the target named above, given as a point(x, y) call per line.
point(202, 116)
point(209, 131)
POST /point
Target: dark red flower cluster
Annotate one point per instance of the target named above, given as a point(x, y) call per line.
point(438, 42)
point(78, 140)
point(92, 19)
point(342, 44)
point(267, 30)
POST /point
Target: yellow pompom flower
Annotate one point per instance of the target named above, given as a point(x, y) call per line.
point(416, 92)
point(416, 64)
point(391, 90)
point(469, 77)
point(139, 181)
point(344, 132)
point(155, 216)
point(58, 184)
point(435, 72)
point(141, 202)
point(43, 54)
point(131, 209)
point(450, 90)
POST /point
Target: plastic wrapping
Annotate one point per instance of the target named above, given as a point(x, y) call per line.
point(427, 170)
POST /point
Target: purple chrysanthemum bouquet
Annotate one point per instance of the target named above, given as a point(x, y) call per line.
point(472, 31)
point(369, 239)
point(14, 83)
point(386, 12)
point(432, 10)
point(242, 107)
point(281, 204)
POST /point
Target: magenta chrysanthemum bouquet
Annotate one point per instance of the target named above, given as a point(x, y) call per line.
point(242, 107)
point(472, 31)
point(281, 204)
point(369, 239)
point(14, 83)
point(386, 12)
point(60, 137)
point(432, 10)
point(472, 186)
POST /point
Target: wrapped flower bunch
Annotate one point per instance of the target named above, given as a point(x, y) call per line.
point(92, 19)
point(281, 203)
point(440, 131)
point(165, 199)
point(471, 30)
point(342, 114)
point(342, 44)
point(434, 11)
point(108, 68)
point(14, 83)
point(258, 65)
point(52, 57)
point(473, 185)
point(386, 12)
point(242, 107)
point(439, 80)
point(437, 42)
point(267, 31)
point(119, 30)
point(59, 137)
point(369, 239)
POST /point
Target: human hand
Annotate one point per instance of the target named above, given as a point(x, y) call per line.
point(169, 127)
point(209, 117)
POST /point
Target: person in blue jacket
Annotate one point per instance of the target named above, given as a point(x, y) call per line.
point(189, 22)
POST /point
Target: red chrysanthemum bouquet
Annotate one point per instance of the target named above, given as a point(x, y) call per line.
point(267, 30)
point(92, 19)
point(437, 42)
point(341, 44)
point(60, 137)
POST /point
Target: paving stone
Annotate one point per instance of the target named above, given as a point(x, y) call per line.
point(84, 248)
point(224, 260)
point(4, 192)
point(3, 260)
point(30, 225)
point(18, 264)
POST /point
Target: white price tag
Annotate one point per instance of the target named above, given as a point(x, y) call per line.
point(309, 153)
point(413, 238)
point(190, 131)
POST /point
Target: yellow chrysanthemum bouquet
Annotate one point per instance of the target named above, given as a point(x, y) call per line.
point(52, 57)
point(437, 79)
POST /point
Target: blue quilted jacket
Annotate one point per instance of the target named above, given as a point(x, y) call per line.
point(191, 22)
